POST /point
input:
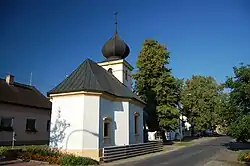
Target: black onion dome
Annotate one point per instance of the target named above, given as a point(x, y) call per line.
point(115, 48)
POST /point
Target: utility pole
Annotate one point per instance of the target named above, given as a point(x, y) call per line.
point(180, 128)
point(13, 139)
point(180, 123)
point(13, 133)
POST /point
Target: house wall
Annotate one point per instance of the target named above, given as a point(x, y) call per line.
point(119, 72)
point(81, 112)
point(132, 137)
point(118, 112)
point(20, 114)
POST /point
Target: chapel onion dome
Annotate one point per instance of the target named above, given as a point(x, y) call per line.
point(115, 48)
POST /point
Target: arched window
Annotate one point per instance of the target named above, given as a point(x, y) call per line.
point(110, 70)
point(136, 123)
point(107, 130)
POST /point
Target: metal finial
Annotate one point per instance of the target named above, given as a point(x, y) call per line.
point(116, 13)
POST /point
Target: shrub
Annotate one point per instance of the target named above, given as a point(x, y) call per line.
point(9, 153)
point(70, 159)
point(240, 129)
point(27, 156)
point(41, 153)
point(45, 154)
point(244, 156)
point(45, 151)
point(3, 150)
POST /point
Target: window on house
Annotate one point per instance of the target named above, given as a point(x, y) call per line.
point(48, 125)
point(6, 122)
point(110, 70)
point(126, 74)
point(136, 121)
point(31, 125)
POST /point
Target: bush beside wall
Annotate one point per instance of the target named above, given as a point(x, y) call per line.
point(45, 154)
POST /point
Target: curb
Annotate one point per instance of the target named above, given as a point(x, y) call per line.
point(10, 162)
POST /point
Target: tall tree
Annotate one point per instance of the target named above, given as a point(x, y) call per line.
point(155, 84)
point(239, 86)
point(239, 103)
point(200, 99)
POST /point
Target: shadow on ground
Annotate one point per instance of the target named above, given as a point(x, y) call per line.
point(236, 146)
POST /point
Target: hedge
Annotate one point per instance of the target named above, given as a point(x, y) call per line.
point(45, 154)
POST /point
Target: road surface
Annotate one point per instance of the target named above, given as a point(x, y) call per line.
point(196, 155)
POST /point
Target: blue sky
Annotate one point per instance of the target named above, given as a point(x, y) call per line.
point(52, 38)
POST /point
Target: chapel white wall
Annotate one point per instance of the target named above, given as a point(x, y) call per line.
point(133, 108)
point(118, 112)
point(81, 112)
point(85, 115)
point(90, 122)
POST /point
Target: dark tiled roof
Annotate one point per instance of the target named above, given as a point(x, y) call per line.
point(91, 77)
point(22, 94)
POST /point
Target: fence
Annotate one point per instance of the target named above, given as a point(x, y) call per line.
point(121, 152)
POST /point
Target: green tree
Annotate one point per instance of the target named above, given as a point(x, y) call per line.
point(239, 102)
point(239, 86)
point(222, 110)
point(240, 128)
point(155, 84)
point(200, 99)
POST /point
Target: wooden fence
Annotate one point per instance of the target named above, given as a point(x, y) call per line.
point(112, 153)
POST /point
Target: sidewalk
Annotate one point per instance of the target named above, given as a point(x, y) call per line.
point(228, 156)
point(224, 158)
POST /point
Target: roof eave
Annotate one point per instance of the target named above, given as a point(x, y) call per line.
point(97, 91)
point(26, 105)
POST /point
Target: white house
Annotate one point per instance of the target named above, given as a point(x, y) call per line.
point(97, 101)
point(25, 112)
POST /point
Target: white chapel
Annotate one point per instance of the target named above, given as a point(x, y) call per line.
point(97, 102)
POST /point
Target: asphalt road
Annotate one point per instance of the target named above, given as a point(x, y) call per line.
point(196, 155)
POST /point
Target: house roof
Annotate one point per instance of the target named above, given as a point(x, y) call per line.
point(91, 77)
point(22, 94)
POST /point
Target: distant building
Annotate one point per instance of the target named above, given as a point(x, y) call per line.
point(97, 101)
point(24, 111)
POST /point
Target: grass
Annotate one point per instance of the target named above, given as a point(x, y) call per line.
point(244, 155)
